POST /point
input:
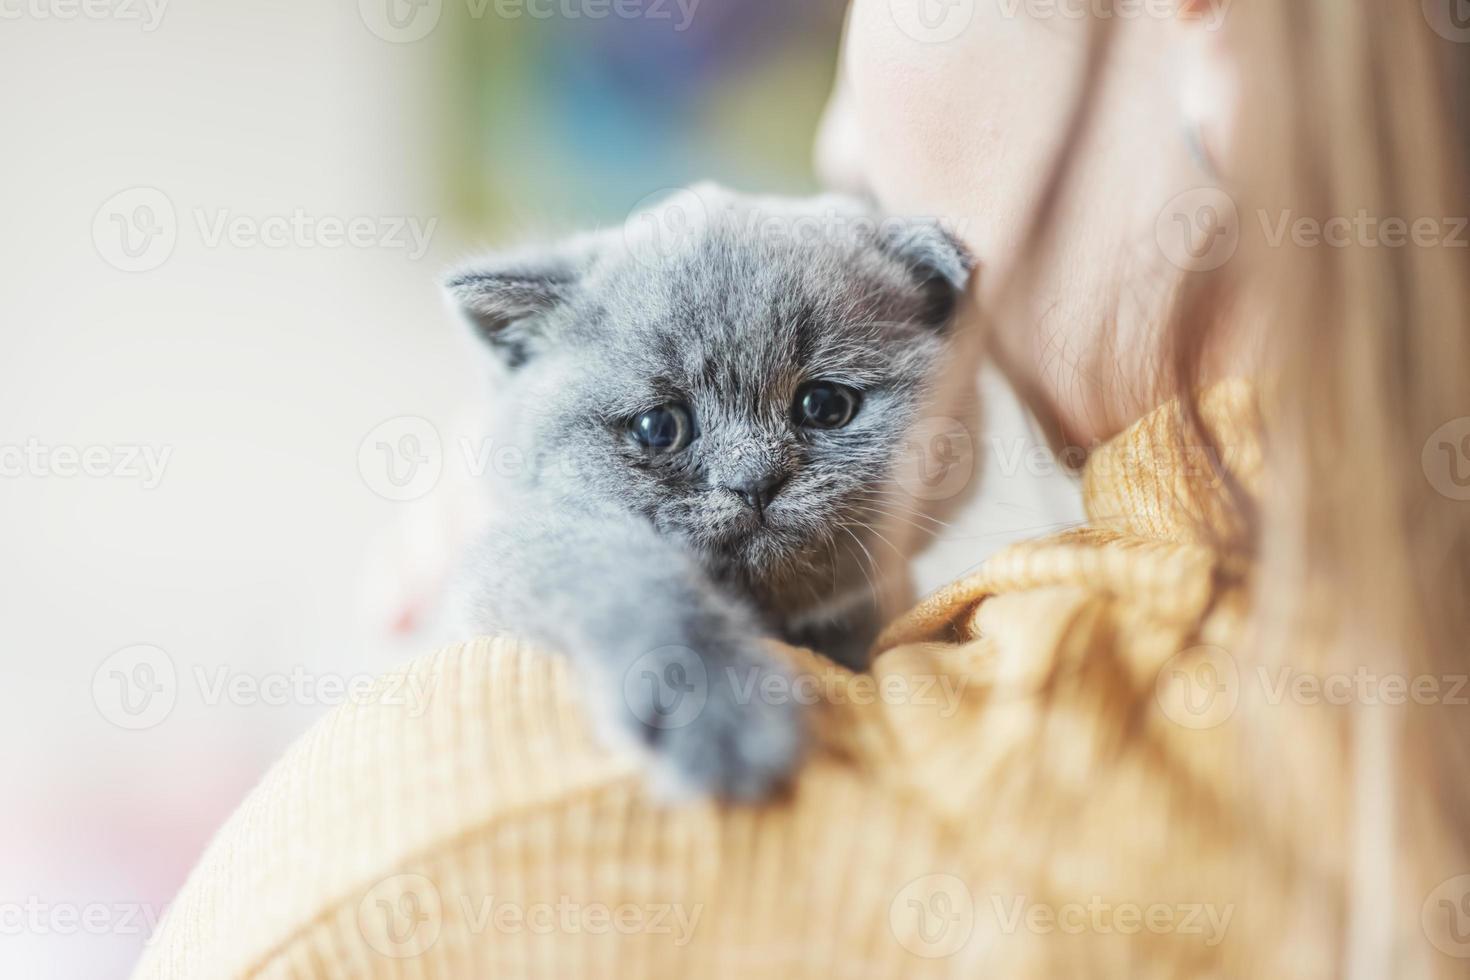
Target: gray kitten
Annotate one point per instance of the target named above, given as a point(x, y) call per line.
point(710, 404)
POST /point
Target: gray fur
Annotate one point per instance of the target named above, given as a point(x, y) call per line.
point(620, 558)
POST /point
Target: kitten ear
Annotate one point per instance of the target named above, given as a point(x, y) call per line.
point(505, 297)
point(938, 261)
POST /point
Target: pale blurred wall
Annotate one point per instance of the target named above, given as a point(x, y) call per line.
point(260, 370)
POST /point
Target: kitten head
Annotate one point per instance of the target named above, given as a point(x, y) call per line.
point(746, 382)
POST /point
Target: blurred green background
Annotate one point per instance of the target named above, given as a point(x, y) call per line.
point(564, 121)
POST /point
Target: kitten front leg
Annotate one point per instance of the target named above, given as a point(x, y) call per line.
point(664, 656)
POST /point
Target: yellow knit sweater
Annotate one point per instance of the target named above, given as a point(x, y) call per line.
point(1040, 778)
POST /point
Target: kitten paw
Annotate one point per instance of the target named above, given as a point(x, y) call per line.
point(722, 726)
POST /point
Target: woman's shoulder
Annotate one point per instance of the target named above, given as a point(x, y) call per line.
point(445, 814)
point(433, 750)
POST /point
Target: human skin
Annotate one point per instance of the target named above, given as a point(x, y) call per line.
point(966, 127)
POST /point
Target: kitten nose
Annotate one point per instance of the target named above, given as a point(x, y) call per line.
point(759, 492)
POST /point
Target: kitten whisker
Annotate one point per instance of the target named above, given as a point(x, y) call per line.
point(897, 499)
point(872, 585)
point(898, 517)
point(874, 531)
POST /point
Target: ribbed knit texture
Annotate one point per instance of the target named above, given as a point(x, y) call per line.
point(389, 844)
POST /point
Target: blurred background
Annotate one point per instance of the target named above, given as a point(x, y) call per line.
point(224, 224)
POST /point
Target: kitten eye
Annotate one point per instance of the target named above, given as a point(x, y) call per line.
point(826, 405)
point(665, 429)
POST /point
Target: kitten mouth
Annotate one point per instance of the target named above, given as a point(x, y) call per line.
point(742, 540)
point(755, 541)
point(745, 536)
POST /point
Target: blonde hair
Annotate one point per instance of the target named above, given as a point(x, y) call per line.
point(1359, 558)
